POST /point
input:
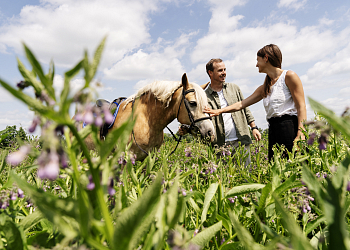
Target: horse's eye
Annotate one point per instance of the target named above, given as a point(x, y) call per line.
point(193, 103)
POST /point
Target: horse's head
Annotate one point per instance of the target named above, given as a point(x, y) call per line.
point(193, 102)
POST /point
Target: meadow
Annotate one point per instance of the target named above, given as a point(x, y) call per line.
point(56, 194)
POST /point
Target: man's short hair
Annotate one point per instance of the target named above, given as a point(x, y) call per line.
point(210, 64)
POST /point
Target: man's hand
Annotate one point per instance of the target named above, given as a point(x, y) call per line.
point(212, 112)
point(256, 134)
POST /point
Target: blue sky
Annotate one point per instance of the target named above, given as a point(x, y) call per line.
point(162, 39)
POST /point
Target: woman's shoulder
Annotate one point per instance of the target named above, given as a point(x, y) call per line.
point(290, 73)
point(292, 78)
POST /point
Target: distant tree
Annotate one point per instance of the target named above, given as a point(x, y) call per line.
point(9, 136)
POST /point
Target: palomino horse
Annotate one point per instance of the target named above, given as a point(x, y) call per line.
point(159, 103)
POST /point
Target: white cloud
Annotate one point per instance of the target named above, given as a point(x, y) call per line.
point(60, 29)
point(292, 4)
point(161, 63)
point(18, 117)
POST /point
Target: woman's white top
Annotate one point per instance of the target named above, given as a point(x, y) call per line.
point(279, 101)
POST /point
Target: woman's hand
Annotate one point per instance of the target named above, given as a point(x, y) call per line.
point(212, 112)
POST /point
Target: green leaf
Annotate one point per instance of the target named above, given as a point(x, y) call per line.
point(298, 239)
point(134, 221)
point(83, 133)
point(97, 58)
point(225, 223)
point(313, 184)
point(172, 199)
point(338, 123)
point(263, 197)
point(53, 208)
point(203, 238)
point(68, 76)
point(31, 220)
point(31, 102)
point(14, 235)
point(209, 194)
point(243, 234)
point(194, 205)
point(312, 225)
point(288, 184)
point(244, 189)
point(30, 77)
point(118, 136)
point(39, 71)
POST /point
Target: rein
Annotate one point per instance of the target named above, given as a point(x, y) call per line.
point(190, 116)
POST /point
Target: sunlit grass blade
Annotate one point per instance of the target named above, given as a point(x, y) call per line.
point(133, 221)
point(243, 189)
point(209, 194)
point(338, 123)
point(68, 76)
point(39, 71)
point(30, 77)
point(203, 238)
point(31, 102)
point(243, 234)
point(31, 220)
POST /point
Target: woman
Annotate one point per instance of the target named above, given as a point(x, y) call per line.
point(283, 98)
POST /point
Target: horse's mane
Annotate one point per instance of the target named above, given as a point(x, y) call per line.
point(164, 90)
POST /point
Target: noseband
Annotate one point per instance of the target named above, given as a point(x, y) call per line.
point(191, 127)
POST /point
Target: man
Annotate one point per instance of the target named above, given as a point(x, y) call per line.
point(231, 128)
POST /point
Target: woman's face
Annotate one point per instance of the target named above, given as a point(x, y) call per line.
point(260, 63)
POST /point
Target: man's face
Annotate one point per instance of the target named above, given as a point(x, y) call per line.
point(219, 73)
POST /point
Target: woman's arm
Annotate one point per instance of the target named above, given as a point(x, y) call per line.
point(253, 98)
point(295, 86)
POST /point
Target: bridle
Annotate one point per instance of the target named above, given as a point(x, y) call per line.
point(192, 127)
point(193, 121)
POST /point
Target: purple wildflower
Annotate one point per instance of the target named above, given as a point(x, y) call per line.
point(91, 184)
point(122, 160)
point(183, 192)
point(107, 114)
point(111, 190)
point(48, 166)
point(222, 241)
point(195, 232)
point(311, 139)
point(88, 117)
point(188, 152)
point(133, 159)
point(17, 157)
point(23, 84)
point(348, 187)
point(98, 121)
point(78, 117)
point(35, 123)
point(13, 196)
point(322, 141)
point(20, 193)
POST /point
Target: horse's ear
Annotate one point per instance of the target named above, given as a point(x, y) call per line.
point(184, 81)
point(204, 86)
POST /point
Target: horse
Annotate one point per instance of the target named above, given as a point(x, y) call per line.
point(158, 104)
